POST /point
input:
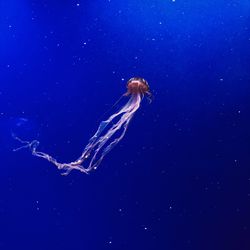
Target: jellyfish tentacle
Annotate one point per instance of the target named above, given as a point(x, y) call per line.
point(98, 141)
point(124, 121)
point(104, 138)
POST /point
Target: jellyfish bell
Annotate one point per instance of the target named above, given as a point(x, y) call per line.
point(137, 85)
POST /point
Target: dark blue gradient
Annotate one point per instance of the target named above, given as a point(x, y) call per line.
point(180, 179)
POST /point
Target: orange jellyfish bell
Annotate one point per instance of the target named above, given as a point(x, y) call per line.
point(137, 85)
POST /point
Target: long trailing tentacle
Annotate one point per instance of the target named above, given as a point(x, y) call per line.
point(99, 144)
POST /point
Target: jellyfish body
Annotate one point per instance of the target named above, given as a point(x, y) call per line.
point(137, 86)
point(105, 137)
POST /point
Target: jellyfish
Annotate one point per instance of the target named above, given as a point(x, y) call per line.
point(109, 133)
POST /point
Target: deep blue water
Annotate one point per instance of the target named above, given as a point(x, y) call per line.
point(180, 179)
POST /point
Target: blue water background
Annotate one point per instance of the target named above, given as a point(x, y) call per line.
point(179, 180)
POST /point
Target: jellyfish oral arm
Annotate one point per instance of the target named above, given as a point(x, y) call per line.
point(99, 144)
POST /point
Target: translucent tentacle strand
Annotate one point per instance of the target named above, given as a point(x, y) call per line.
point(99, 144)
